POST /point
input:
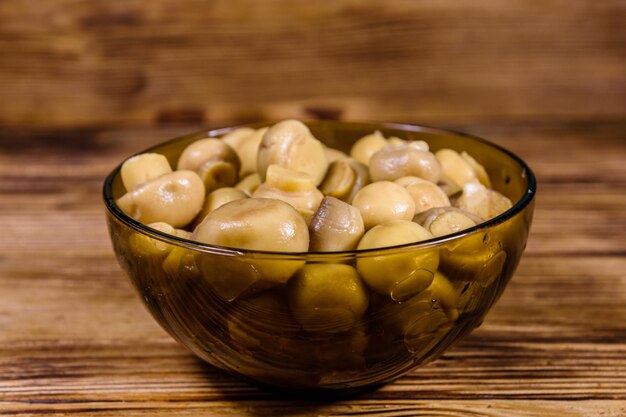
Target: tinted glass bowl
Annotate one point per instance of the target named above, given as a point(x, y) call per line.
point(190, 288)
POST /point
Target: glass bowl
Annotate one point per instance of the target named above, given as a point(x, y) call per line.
point(212, 300)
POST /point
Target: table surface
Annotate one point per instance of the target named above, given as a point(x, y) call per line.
point(76, 339)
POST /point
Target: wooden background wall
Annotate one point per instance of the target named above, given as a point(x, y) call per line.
point(90, 63)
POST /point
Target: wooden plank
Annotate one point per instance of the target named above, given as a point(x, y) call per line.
point(487, 408)
point(88, 63)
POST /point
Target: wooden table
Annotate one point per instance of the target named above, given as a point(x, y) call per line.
point(75, 338)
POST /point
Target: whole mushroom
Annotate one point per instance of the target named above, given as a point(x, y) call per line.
point(174, 198)
point(344, 178)
point(257, 224)
point(291, 145)
point(295, 188)
point(368, 145)
point(482, 201)
point(142, 168)
point(393, 162)
point(383, 201)
point(335, 226)
point(327, 297)
point(399, 275)
point(425, 194)
point(246, 144)
point(213, 160)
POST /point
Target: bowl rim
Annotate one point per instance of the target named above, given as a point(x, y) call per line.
point(144, 229)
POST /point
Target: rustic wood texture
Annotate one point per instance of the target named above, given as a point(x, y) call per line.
point(70, 63)
point(84, 84)
point(75, 338)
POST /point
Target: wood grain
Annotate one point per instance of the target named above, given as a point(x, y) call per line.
point(70, 63)
point(75, 339)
